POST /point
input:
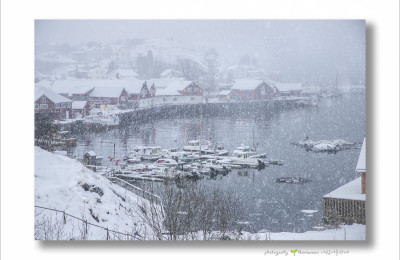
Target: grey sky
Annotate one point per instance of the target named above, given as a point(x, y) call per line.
point(301, 50)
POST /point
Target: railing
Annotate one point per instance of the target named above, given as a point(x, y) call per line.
point(86, 224)
point(138, 191)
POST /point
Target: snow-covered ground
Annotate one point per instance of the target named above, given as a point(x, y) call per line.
point(65, 184)
point(326, 145)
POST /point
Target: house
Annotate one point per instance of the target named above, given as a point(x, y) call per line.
point(173, 92)
point(169, 73)
point(49, 102)
point(288, 89)
point(252, 89)
point(361, 167)
point(74, 89)
point(224, 95)
point(137, 89)
point(347, 203)
point(80, 109)
point(108, 95)
point(122, 74)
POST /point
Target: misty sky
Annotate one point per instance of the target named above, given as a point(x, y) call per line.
point(300, 50)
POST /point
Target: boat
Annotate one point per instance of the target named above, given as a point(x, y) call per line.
point(195, 146)
point(131, 157)
point(151, 153)
point(167, 162)
point(243, 159)
point(217, 150)
point(242, 149)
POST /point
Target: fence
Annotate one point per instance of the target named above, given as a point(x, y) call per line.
point(86, 223)
point(345, 209)
point(138, 191)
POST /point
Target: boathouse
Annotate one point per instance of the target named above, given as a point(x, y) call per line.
point(174, 92)
point(137, 89)
point(49, 102)
point(346, 204)
point(288, 89)
point(252, 89)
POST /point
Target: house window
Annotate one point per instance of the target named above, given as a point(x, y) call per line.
point(63, 105)
point(44, 106)
point(36, 105)
point(69, 105)
point(174, 99)
point(57, 105)
point(164, 99)
point(44, 99)
point(262, 91)
point(192, 99)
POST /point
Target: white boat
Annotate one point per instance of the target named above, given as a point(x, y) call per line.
point(243, 149)
point(244, 159)
point(148, 152)
point(167, 162)
point(195, 146)
point(131, 157)
point(213, 163)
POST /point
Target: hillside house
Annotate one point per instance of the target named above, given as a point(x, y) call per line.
point(49, 102)
point(122, 74)
point(251, 89)
point(347, 203)
point(137, 90)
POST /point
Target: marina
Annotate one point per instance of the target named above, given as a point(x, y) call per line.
point(271, 133)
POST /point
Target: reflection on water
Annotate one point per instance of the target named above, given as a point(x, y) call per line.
point(269, 205)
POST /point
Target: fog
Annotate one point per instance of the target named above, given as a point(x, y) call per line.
point(306, 51)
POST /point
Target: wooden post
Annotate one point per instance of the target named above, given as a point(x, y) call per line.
point(64, 217)
point(107, 233)
point(86, 229)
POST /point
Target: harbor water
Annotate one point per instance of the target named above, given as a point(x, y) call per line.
point(269, 205)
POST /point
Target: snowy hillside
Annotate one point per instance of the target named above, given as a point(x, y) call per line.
point(167, 51)
point(65, 184)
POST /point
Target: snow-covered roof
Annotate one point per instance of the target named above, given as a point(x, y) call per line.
point(79, 104)
point(361, 164)
point(91, 153)
point(169, 87)
point(53, 96)
point(167, 72)
point(72, 86)
point(284, 87)
point(134, 86)
point(351, 191)
point(110, 92)
point(224, 92)
point(246, 84)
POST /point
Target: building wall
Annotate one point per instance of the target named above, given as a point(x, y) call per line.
point(169, 100)
point(47, 106)
point(363, 182)
point(97, 101)
point(345, 210)
point(192, 90)
point(262, 92)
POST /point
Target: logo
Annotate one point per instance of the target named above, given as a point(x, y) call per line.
point(294, 252)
